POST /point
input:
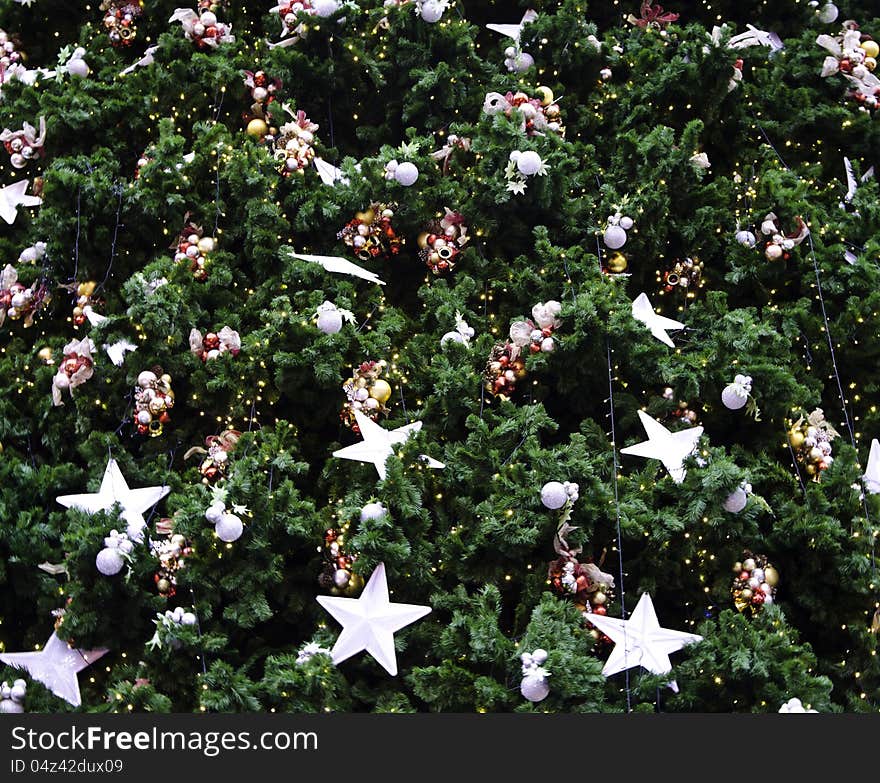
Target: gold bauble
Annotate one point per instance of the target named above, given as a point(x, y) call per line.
point(870, 63)
point(815, 454)
point(163, 586)
point(545, 94)
point(598, 599)
point(206, 245)
point(796, 438)
point(86, 289)
point(771, 576)
point(367, 216)
point(737, 567)
point(45, 355)
point(870, 48)
point(745, 594)
point(617, 263)
point(354, 586)
point(257, 128)
point(810, 469)
point(380, 390)
point(749, 564)
point(422, 241)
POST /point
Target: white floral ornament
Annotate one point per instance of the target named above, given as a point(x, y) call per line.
point(24, 145)
point(537, 334)
point(330, 318)
point(778, 245)
point(462, 333)
point(738, 395)
point(203, 29)
point(795, 705)
point(212, 345)
point(115, 554)
point(12, 698)
point(166, 625)
point(74, 370)
point(309, 651)
point(32, 254)
point(850, 59)
point(700, 161)
point(534, 685)
point(522, 165)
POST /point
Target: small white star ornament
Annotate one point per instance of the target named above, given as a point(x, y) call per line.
point(370, 621)
point(643, 311)
point(378, 444)
point(671, 448)
point(12, 197)
point(56, 666)
point(640, 641)
point(114, 489)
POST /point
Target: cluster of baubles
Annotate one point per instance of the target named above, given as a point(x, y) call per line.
point(535, 685)
point(116, 552)
point(85, 302)
point(25, 144)
point(75, 368)
point(10, 57)
point(227, 524)
point(12, 697)
point(213, 344)
point(18, 301)
point(153, 399)
point(168, 625)
point(683, 410)
point(262, 89)
point(203, 27)
point(810, 438)
point(294, 148)
point(337, 573)
point(366, 392)
point(778, 245)
point(216, 451)
point(194, 247)
point(853, 54)
point(171, 552)
point(120, 17)
point(442, 243)
point(370, 233)
point(540, 115)
point(684, 276)
point(754, 583)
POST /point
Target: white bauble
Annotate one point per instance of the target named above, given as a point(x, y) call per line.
point(453, 337)
point(62, 381)
point(188, 618)
point(553, 495)
point(146, 378)
point(229, 528)
point(521, 63)
point(215, 512)
point(373, 511)
point(828, 13)
point(78, 67)
point(9, 707)
point(736, 501)
point(626, 223)
point(539, 656)
point(773, 252)
point(341, 577)
point(330, 321)
point(432, 11)
point(143, 417)
point(529, 163)
point(208, 18)
point(768, 228)
point(731, 398)
point(746, 238)
point(325, 8)
point(406, 174)
point(534, 687)
point(547, 345)
point(109, 561)
point(615, 237)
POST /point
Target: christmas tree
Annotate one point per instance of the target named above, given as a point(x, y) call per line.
point(553, 324)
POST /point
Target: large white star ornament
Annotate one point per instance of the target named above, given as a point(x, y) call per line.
point(369, 622)
point(671, 448)
point(872, 472)
point(640, 641)
point(56, 666)
point(114, 489)
point(12, 197)
point(643, 311)
point(378, 444)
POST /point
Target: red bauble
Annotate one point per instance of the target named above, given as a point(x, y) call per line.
point(600, 610)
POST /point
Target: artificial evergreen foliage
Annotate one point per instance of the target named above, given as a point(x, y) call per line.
point(472, 540)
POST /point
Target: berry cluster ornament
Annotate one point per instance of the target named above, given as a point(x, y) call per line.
point(171, 552)
point(810, 438)
point(213, 344)
point(738, 395)
point(120, 20)
point(215, 464)
point(737, 500)
point(153, 399)
point(74, 369)
point(366, 392)
point(778, 245)
point(371, 235)
point(683, 276)
point(12, 697)
point(168, 625)
point(504, 367)
point(203, 28)
point(262, 88)
point(585, 583)
point(86, 301)
point(227, 524)
point(329, 318)
point(294, 149)
point(194, 247)
point(462, 334)
point(443, 241)
point(18, 301)
point(535, 685)
point(540, 115)
point(115, 554)
point(336, 574)
point(853, 54)
point(615, 231)
point(754, 583)
point(24, 145)
point(682, 411)
point(10, 59)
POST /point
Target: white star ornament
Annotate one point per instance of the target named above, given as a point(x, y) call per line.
point(671, 448)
